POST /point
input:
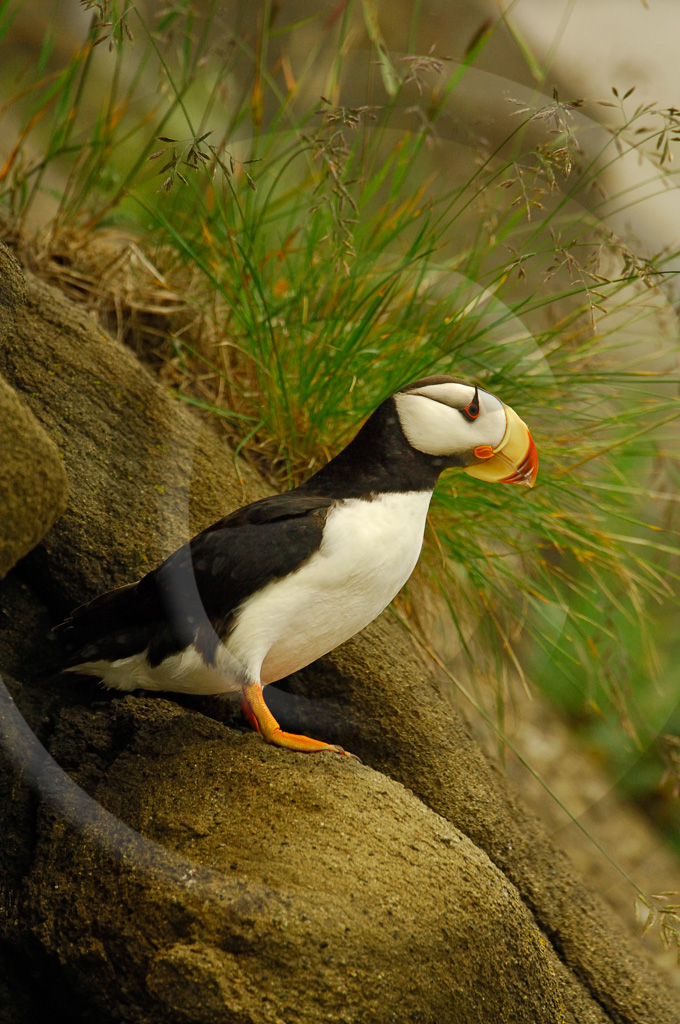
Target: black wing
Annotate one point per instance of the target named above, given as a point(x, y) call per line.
point(192, 596)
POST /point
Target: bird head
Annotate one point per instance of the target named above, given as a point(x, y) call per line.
point(468, 428)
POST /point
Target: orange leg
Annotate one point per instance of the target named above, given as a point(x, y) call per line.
point(262, 720)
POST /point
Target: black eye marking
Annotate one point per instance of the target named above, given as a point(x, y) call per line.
point(471, 411)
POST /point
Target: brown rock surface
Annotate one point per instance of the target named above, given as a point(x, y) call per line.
point(302, 889)
point(33, 482)
point(144, 473)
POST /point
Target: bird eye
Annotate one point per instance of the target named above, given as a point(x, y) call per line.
point(471, 411)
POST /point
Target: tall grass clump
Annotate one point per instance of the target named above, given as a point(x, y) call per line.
point(291, 232)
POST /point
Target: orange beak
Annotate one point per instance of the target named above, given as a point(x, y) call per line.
point(513, 461)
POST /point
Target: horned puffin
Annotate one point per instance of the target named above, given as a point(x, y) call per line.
point(273, 586)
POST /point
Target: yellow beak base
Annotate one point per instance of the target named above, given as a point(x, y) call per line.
point(513, 461)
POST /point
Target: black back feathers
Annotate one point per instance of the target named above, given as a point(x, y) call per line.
point(193, 595)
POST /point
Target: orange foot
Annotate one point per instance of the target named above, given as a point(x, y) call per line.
point(262, 720)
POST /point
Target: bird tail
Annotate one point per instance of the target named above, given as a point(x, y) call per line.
point(109, 627)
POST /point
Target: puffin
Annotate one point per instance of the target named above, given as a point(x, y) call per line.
point(282, 581)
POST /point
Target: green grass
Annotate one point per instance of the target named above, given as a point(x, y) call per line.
point(324, 256)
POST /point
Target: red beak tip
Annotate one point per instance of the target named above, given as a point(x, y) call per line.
point(527, 471)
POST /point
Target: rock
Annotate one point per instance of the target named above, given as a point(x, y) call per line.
point(303, 889)
point(144, 473)
point(12, 291)
point(33, 482)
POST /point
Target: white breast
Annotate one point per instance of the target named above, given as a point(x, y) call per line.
point(369, 550)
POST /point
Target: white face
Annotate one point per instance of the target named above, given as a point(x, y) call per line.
point(433, 420)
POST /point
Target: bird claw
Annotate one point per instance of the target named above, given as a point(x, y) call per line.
point(345, 753)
